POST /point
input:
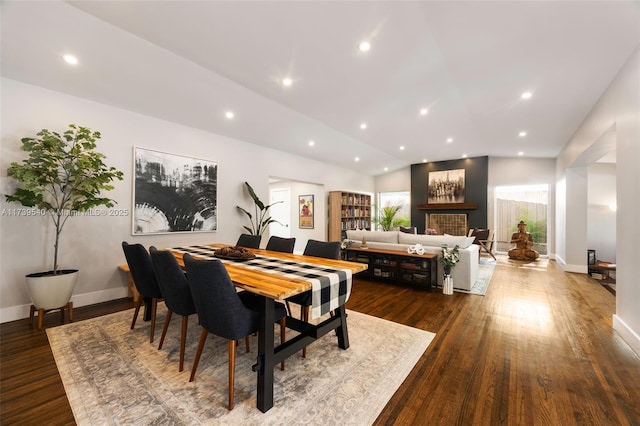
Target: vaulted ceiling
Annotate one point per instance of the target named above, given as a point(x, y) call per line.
point(466, 63)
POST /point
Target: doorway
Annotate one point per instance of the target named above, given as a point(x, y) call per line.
point(280, 212)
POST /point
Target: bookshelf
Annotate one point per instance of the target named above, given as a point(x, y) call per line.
point(348, 210)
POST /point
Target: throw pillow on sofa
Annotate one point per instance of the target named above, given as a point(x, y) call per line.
point(436, 240)
point(377, 236)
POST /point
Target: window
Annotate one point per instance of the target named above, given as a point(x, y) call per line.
point(402, 198)
point(528, 203)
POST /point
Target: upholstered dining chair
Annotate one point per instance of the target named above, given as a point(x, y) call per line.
point(284, 245)
point(222, 311)
point(327, 250)
point(249, 241)
point(176, 293)
point(144, 278)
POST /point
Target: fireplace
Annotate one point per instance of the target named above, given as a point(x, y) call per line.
point(452, 224)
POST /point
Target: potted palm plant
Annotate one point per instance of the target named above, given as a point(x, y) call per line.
point(386, 217)
point(62, 176)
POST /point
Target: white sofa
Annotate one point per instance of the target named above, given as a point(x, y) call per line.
point(464, 274)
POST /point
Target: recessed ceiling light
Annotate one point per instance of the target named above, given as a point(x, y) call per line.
point(311, 143)
point(356, 159)
point(402, 148)
point(449, 140)
point(287, 82)
point(229, 114)
point(386, 168)
point(364, 46)
point(424, 160)
point(521, 153)
point(464, 155)
point(363, 126)
point(424, 111)
point(70, 59)
point(522, 134)
point(526, 95)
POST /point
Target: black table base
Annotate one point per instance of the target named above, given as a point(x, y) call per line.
point(269, 355)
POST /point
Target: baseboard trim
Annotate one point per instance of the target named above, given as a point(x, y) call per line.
point(627, 334)
point(13, 313)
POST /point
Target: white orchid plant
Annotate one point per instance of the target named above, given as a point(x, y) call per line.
point(449, 258)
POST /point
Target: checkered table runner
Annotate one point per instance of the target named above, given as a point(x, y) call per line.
point(331, 287)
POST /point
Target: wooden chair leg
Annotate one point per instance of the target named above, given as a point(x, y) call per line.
point(62, 315)
point(40, 318)
point(247, 344)
point(167, 320)
point(203, 338)
point(232, 371)
point(32, 311)
point(183, 339)
point(135, 313)
point(154, 307)
point(283, 330)
point(70, 308)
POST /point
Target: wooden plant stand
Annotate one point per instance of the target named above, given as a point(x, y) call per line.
point(42, 312)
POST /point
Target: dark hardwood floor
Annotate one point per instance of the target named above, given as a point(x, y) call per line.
point(538, 349)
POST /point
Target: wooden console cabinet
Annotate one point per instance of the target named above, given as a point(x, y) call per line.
point(348, 210)
point(397, 266)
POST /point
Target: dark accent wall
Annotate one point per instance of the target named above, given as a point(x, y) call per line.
point(476, 182)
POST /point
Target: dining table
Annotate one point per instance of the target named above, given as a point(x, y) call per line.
point(278, 276)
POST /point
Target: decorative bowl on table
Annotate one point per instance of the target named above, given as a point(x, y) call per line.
point(234, 253)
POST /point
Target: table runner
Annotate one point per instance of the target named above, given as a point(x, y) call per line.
point(331, 287)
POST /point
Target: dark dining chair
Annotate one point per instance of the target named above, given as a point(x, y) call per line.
point(176, 293)
point(222, 311)
point(249, 241)
point(284, 245)
point(327, 250)
point(144, 278)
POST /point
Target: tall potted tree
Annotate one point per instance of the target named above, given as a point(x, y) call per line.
point(261, 221)
point(62, 175)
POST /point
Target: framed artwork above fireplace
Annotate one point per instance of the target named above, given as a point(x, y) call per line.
point(447, 186)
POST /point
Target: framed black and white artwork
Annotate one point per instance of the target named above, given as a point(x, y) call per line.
point(446, 186)
point(173, 193)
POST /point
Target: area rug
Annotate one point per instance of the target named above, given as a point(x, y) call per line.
point(112, 375)
point(485, 272)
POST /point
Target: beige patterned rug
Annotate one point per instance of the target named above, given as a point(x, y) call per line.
point(113, 375)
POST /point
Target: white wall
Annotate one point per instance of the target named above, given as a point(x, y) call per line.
point(320, 212)
point(601, 219)
point(93, 243)
point(396, 181)
point(510, 171)
point(618, 109)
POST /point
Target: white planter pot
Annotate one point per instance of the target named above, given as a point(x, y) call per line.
point(48, 291)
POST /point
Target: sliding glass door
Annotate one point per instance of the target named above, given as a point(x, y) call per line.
point(528, 203)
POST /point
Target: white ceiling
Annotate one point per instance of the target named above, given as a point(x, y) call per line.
point(468, 62)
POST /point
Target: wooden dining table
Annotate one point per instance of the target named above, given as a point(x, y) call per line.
point(278, 276)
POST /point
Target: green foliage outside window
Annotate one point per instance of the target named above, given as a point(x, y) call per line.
point(386, 219)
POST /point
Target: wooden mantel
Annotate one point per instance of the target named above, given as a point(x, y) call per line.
point(448, 206)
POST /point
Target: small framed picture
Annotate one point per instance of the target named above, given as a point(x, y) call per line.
point(305, 207)
point(591, 257)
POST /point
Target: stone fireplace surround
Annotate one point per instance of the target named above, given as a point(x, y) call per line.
point(447, 223)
